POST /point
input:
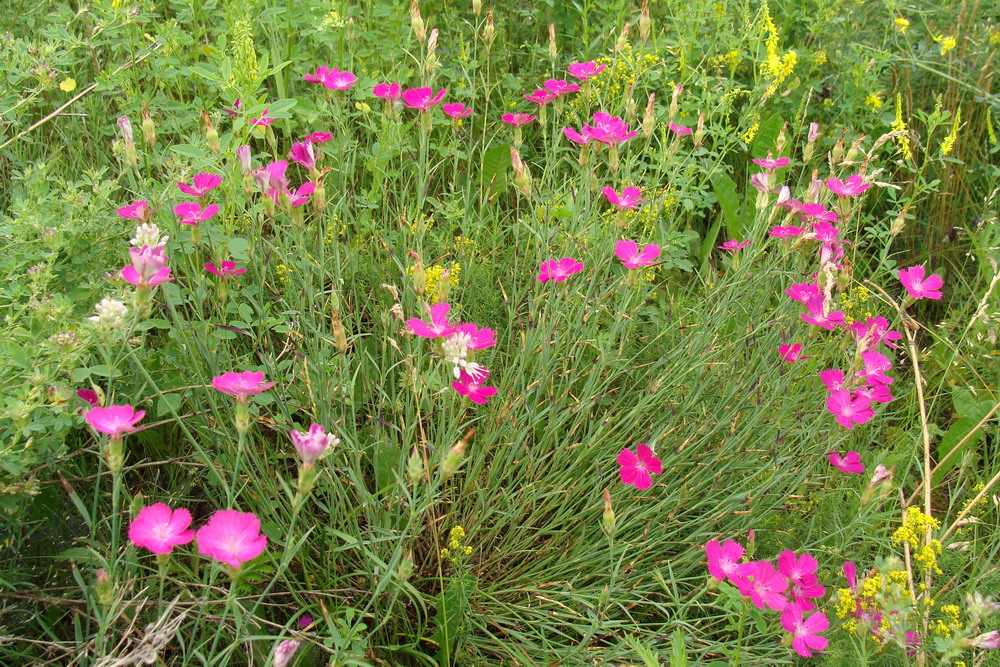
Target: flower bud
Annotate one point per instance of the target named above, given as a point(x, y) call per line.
point(455, 457)
point(405, 570)
point(339, 335)
point(623, 37)
point(125, 127)
point(674, 102)
point(782, 140)
point(644, 22)
point(417, 23)
point(608, 518)
point(837, 154)
point(649, 119)
point(246, 161)
point(148, 129)
point(630, 103)
point(899, 224)
point(211, 135)
point(105, 589)
point(489, 32)
point(419, 276)
point(414, 466)
point(986, 640)
point(522, 176)
point(553, 51)
point(699, 133)
point(477, 7)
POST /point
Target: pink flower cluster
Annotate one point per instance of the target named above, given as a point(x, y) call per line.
point(192, 213)
point(789, 588)
point(230, 537)
point(606, 129)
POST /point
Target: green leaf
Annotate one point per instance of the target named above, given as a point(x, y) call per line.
point(187, 150)
point(729, 202)
point(954, 435)
point(495, 165)
point(168, 404)
point(767, 136)
point(678, 651)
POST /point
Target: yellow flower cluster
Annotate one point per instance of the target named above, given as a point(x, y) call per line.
point(947, 43)
point(902, 24)
point(245, 69)
point(852, 306)
point(776, 67)
point(617, 78)
point(899, 125)
point(282, 272)
point(949, 142)
point(915, 524)
point(439, 276)
point(456, 551)
point(464, 244)
point(750, 133)
point(950, 623)
point(333, 18)
point(874, 100)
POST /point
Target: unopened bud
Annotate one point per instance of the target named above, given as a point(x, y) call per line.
point(649, 120)
point(246, 161)
point(630, 103)
point(125, 127)
point(318, 199)
point(855, 151)
point(608, 518)
point(148, 129)
point(405, 566)
point(522, 176)
point(105, 589)
point(417, 23)
point(751, 543)
point(339, 335)
point(553, 51)
point(699, 132)
point(644, 22)
point(782, 140)
point(414, 466)
point(837, 154)
point(489, 32)
point(419, 277)
point(455, 457)
point(674, 102)
point(623, 37)
point(477, 7)
point(899, 224)
point(211, 135)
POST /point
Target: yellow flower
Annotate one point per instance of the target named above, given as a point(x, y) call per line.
point(902, 24)
point(899, 125)
point(874, 100)
point(947, 43)
point(68, 85)
point(949, 141)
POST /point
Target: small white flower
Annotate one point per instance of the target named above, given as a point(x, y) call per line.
point(148, 234)
point(110, 314)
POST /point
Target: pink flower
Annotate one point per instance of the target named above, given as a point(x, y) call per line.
point(629, 198)
point(160, 529)
point(802, 292)
point(732, 245)
point(191, 213)
point(284, 651)
point(304, 154)
point(849, 463)
point(848, 409)
point(805, 631)
point(819, 317)
point(680, 130)
point(824, 231)
point(799, 569)
point(114, 419)
point(241, 385)
point(832, 378)
point(456, 110)
point(88, 396)
point(517, 119)
point(791, 353)
point(235, 110)
point(560, 87)
point(575, 136)
point(318, 138)
point(422, 98)
point(873, 331)
point(917, 285)
point(137, 210)
point(637, 468)
point(558, 270)
point(296, 197)
point(245, 159)
point(880, 475)
point(819, 212)
point(439, 325)
point(332, 78)
point(271, 176)
point(723, 558)
point(764, 585)
point(854, 185)
point(785, 232)
point(989, 639)
point(148, 268)
point(264, 120)
point(201, 184)
point(585, 70)
point(763, 181)
point(608, 129)
point(231, 537)
point(226, 269)
point(472, 386)
point(474, 338)
point(320, 75)
point(877, 393)
point(391, 92)
point(540, 97)
point(313, 443)
point(875, 367)
point(770, 163)
point(632, 258)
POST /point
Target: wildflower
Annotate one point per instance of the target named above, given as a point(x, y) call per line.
point(517, 119)
point(584, 71)
point(849, 409)
point(88, 396)
point(226, 269)
point(986, 640)
point(803, 292)
point(201, 184)
point(114, 420)
point(771, 163)
point(305, 621)
point(540, 97)
point(111, 314)
point(318, 138)
point(160, 529)
point(577, 137)
point(439, 325)
point(874, 100)
point(732, 245)
point(723, 559)
point(632, 258)
point(800, 570)
point(854, 185)
point(608, 129)
point(231, 537)
point(390, 92)
point(881, 474)
point(849, 463)
point(877, 393)
point(148, 268)
point(148, 234)
point(818, 315)
point(284, 651)
point(785, 232)
point(271, 176)
point(637, 468)
point(296, 197)
point(456, 110)
point(263, 120)
point(241, 385)
point(558, 270)
point(833, 378)
point(137, 210)
point(332, 78)
point(902, 24)
point(560, 87)
point(917, 285)
point(629, 198)
point(304, 154)
point(471, 386)
point(791, 353)
point(764, 585)
point(947, 43)
point(680, 130)
point(422, 99)
point(191, 213)
point(875, 366)
point(762, 182)
point(312, 444)
point(805, 631)
point(236, 109)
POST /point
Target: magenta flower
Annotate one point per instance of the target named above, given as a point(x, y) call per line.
point(918, 286)
point(191, 213)
point(576, 137)
point(137, 210)
point(799, 569)
point(805, 631)
point(296, 197)
point(832, 378)
point(160, 529)
point(456, 110)
point(875, 367)
point(423, 99)
point(989, 639)
point(584, 71)
point(272, 176)
point(560, 87)
point(876, 393)
point(320, 75)
point(225, 269)
point(849, 410)
point(873, 331)
point(854, 185)
point(313, 443)
point(558, 270)
point(439, 325)
point(148, 268)
point(723, 558)
point(88, 396)
point(764, 585)
point(540, 97)
point(629, 198)
point(114, 419)
point(818, 212)
point(818, 315)
point(802, 292)
point(785, 232)
point(770, 163)
point(517, 119)
point(390, 92)
point(332, 78)
point(201, 184)
point(849, 463)
point(473, 337)
point(245, 159)
point(632, 258)
point(241, 385)
point(608, 129)
point(318, 138)
point(680, 130)
point(732, 245)
point(263, 120)
point(304, 154)
point(231, 537)
point(825, 232)
point(637, 468)
point(791, 353)
point(471, 386)
point(236, 109)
